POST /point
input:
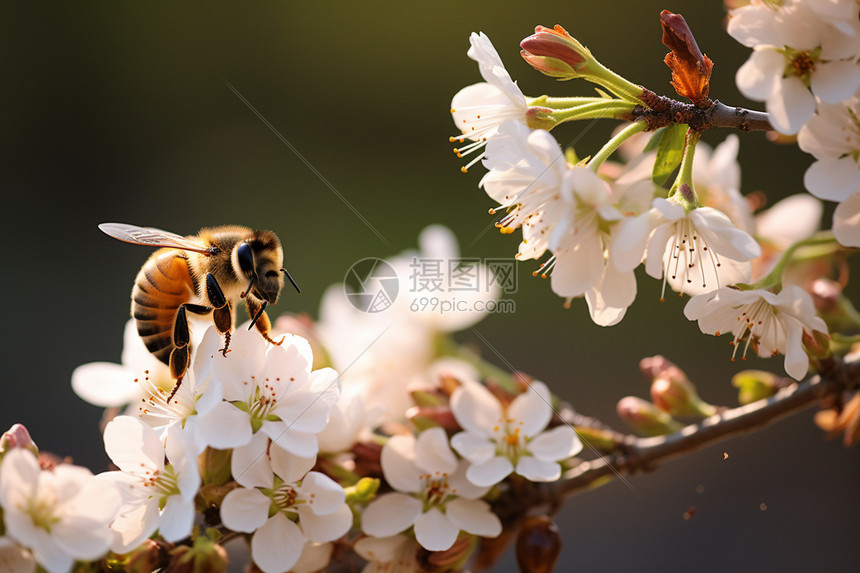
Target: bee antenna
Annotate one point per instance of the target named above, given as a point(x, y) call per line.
point(244, 293)
point(258, 315)
point(286, 272)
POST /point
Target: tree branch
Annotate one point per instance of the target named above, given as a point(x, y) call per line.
point(642, 454)
point(662, 111)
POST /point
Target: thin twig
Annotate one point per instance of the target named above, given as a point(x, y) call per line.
point(641, 454)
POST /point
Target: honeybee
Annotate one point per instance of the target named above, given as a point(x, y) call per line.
point(201, 274)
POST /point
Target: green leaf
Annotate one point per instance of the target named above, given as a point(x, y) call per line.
point(655, 140)
point(669, 153)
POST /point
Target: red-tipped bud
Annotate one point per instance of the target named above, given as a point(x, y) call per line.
point(17, 437)
point(673, 393)
point(691, 70)
point(654, 366)
point(555, 53)
point(645, 418)
point(538, 545)
point(151, 556)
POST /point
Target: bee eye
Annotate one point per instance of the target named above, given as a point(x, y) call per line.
point(246, 258)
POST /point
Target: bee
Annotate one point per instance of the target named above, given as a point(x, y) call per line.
point(203, 274)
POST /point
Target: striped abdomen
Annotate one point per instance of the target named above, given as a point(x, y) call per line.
point(161, 286)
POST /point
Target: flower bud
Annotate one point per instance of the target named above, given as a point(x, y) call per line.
point(645, 418)
point(538, 545)
point(215, 466)
point(672, 391)
point(540, 118)
point(17, 437)
point(204, 555)
point(424, 417)
point(677, 396)
point(753, 385)
point(363, 491)
point(555, 53)
point(150, 556)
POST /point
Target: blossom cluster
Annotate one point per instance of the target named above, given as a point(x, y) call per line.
point(804, 66)
point(592, 222)
point(273, 443)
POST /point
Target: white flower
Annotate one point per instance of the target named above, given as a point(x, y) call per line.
point(832, 136)
point(436, 500)
point(528, 177)
point(60, 515)
point(795, 50)
point(144, 383)
point(694, 252)
point(478, 110)
point(112, 385)
point(155, 495)
point(767, 322)
point(350, 421)
point(498, 440)
point(290, 507)
point(269, 388)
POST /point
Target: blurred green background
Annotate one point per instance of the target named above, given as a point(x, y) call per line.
point(119, 112)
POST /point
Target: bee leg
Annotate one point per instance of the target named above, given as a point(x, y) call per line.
point(222, 315)
point(257, 312)
point(198, 309)
point(179, 356)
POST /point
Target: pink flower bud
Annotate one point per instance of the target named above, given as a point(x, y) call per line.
point(645, 418)
point(673, 393)
point(17, 437)
point(555, 53)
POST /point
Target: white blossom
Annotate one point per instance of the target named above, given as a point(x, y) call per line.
point(479, 109)
point(287, 507)
point(832, 136)
point(766, 322)
point(432, 494)
point(499, 440)
point(795, 50)
point(155, 495)
point(271, 389)
point(393, 554)
point(60, 515)
point(694, 252)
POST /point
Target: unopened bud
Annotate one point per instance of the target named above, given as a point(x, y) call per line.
point(540, 118)
point(555, 53)
point(215, 466)
point(204, 555)
point(363, 491)
point(817, 344)
point(151, 556)
point(17, 437)
point(424, 417)
point(645, 418)
point(538, 545)
point(677, 396)
point(753, 385)
point(825, 294)
point(654, 366)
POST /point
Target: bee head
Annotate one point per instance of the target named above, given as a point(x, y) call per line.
point(259, 260)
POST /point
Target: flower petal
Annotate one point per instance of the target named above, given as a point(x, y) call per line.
point(434, 531)
point(389, 514)
point(245, 509)
point(277, 545)
point(474, 516)
point(556, 444)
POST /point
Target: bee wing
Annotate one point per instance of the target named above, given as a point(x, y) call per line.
point(152, 237)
